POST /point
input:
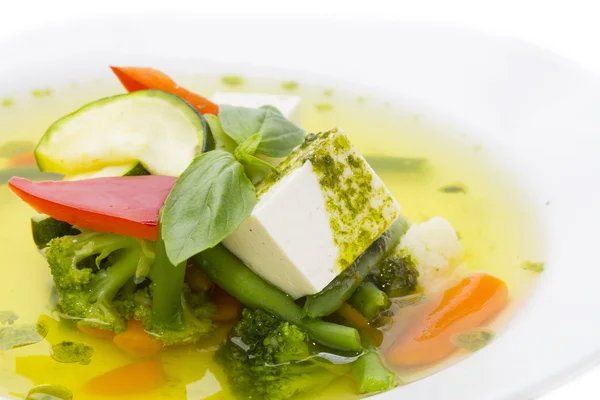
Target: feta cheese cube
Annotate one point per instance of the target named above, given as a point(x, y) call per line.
point(314, 218)
point(288, 105)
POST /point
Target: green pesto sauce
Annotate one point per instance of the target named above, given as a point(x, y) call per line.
point(533, 266)
point(324, 106)
point(359, 211)
point(41, 92)
point(7, 102)
point(289, 85)
point(232, 80)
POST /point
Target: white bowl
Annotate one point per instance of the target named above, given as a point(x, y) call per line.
point(535, 110)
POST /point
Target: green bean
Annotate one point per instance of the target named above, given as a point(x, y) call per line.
point(227, 271)
point(328, 300)
point(369, 300)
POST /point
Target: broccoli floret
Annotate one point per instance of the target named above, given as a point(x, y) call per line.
point(100, 282)
point(89, 270)
point(396, 275)
point(266, 358)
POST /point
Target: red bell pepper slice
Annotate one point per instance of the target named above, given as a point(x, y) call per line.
point(134, 79)
point(127, 205)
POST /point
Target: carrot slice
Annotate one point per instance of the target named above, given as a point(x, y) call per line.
point(127, 205)
point(139, 377)
point(135, 78)
point(356, 320)
point(228, 307)
point(22, 160)
point(136, 341)
point(96, 332)
point(463, 307)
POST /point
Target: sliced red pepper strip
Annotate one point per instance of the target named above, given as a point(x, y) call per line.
point(127, 205)
point(135, 78)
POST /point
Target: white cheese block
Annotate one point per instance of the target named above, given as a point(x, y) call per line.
point(288, 105)
point(312, 220)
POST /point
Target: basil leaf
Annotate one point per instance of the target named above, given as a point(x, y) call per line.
point(279, 135)
point(249, 160)
point(248, 146)
point(208, 202)
point(222, 141)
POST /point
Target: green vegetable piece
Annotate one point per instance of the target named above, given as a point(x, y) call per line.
point(232, 80)
point(16, 147)
point(454, 188)
point(137, 170)
point(361, 99)
point(397, 164)
point(289, 85)
point(324, 106)
point(328, 300)
point(473, 340)
point(537, 267)
point(45, 228)
point(208, 202)
point(49, 392)
point(41, 92)
point(72, 352)
point(371, 375)
point(229, 273)
point(269, 359)
point(29, 172)
point(220, 138)
point(14, 336)
point(369, 300)
point(86, 292)
point(279, 135)
point(8, 317)
point(7, 102)
point(328, 92)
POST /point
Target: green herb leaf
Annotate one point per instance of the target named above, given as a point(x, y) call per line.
point(248, 147)
point(279, 135)
point(248, 160)
point(222, 141)
point(208, 202)
point(72, 352)
point(49, 392)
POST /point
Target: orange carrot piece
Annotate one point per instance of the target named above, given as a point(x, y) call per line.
point(228, 307)
point(96, 332)
point(356, 320)
point(136, 341)
point(139, 377)
point(463, 307)
point(134, 79)
point(22, 160)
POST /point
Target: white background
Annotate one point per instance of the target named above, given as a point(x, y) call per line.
point(568, 27)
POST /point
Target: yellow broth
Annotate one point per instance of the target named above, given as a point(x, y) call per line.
point(494, 219)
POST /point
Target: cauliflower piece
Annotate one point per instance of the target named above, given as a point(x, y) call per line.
point(435, 251)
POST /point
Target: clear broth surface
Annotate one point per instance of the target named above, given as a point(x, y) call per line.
point(495, 221)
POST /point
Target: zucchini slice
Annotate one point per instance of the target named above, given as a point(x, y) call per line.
point(135, 169)
point(45, 228)
point(157, 129)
